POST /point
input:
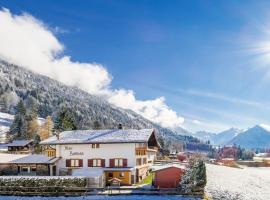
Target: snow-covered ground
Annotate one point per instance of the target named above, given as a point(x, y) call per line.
point(228, 183)
point(5, 122)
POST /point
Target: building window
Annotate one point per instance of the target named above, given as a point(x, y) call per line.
point(121, 174)
point(95, 146)
point(144, 161)
point(96, 162)
point(74, 163)
point(118, 162)
point(138, 161)
point(24, 169)
point(33, 169)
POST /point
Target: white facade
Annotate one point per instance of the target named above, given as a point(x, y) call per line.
point(105, 151)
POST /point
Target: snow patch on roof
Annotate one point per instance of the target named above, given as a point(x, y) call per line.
point(25, 158)
point(19, 143)
point(101, 136)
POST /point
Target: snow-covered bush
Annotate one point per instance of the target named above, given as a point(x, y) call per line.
point(49, 184)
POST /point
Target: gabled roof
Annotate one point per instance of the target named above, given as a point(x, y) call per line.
point(101, 136)
point(26, 159)
point(19, 143)
point(164, 167)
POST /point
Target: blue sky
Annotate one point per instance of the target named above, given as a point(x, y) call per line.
point(209, 59)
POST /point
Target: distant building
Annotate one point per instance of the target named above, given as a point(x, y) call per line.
point(228, 152)
point(121, 154)
point(168, 176)
point(20, 146)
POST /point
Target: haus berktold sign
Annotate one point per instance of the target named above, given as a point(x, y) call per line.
point(73, 153)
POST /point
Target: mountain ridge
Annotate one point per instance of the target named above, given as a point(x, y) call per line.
point(18, 82)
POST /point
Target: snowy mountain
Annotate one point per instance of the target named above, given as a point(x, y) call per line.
point(225, 137)
point(255, 137)
point(220, 139)
point(50, 95)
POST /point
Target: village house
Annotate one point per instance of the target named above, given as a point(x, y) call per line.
point(124, 155)
point(20, 146)
point(27, 165)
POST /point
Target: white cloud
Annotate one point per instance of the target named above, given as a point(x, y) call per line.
point(155, 110)
point(28, 42)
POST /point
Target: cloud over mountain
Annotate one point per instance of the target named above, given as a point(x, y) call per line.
point(28, 42)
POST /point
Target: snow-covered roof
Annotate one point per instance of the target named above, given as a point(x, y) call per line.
point(7, 158)
point(101, 136)
point(26, 159)
point(162, 167)
point(19, 143)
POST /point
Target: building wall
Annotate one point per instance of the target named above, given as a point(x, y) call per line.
point(12, 169)
point(8, 170)
point(168, 178)
point(105, 151)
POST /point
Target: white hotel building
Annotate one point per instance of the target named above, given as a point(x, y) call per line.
point(120, 153)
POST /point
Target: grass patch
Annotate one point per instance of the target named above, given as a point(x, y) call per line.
point(147, 180)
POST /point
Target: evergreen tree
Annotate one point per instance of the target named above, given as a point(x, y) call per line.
point(200, 175)
point(194, 180)
point(19, 125)
point(65, 120)
point(97, 125)
point(31, 108)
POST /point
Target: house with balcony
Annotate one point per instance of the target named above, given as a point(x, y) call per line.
point(121, 154)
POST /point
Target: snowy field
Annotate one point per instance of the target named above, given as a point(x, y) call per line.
point(5, 122)
point(131, 197)
point(232, 183)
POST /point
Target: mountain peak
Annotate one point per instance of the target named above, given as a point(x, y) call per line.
point(264, 126)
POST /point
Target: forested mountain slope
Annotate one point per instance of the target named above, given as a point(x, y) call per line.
point(89, 111)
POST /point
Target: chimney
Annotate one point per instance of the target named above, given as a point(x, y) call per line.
point(120, 126)
point(57, 135)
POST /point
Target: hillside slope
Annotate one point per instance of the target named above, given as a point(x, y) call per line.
point(87, 109)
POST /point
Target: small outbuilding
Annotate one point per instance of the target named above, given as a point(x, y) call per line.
point(168, 176)
point(27, 165)
point(20, 146)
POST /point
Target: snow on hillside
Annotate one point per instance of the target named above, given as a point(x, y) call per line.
point(5, 122)
point(242, 184)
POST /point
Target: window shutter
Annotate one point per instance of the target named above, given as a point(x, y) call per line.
point(125, 162)
point(80, 163)
point(102, 162)
point(90, 162)
point(68, 162)
point(111, 162)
